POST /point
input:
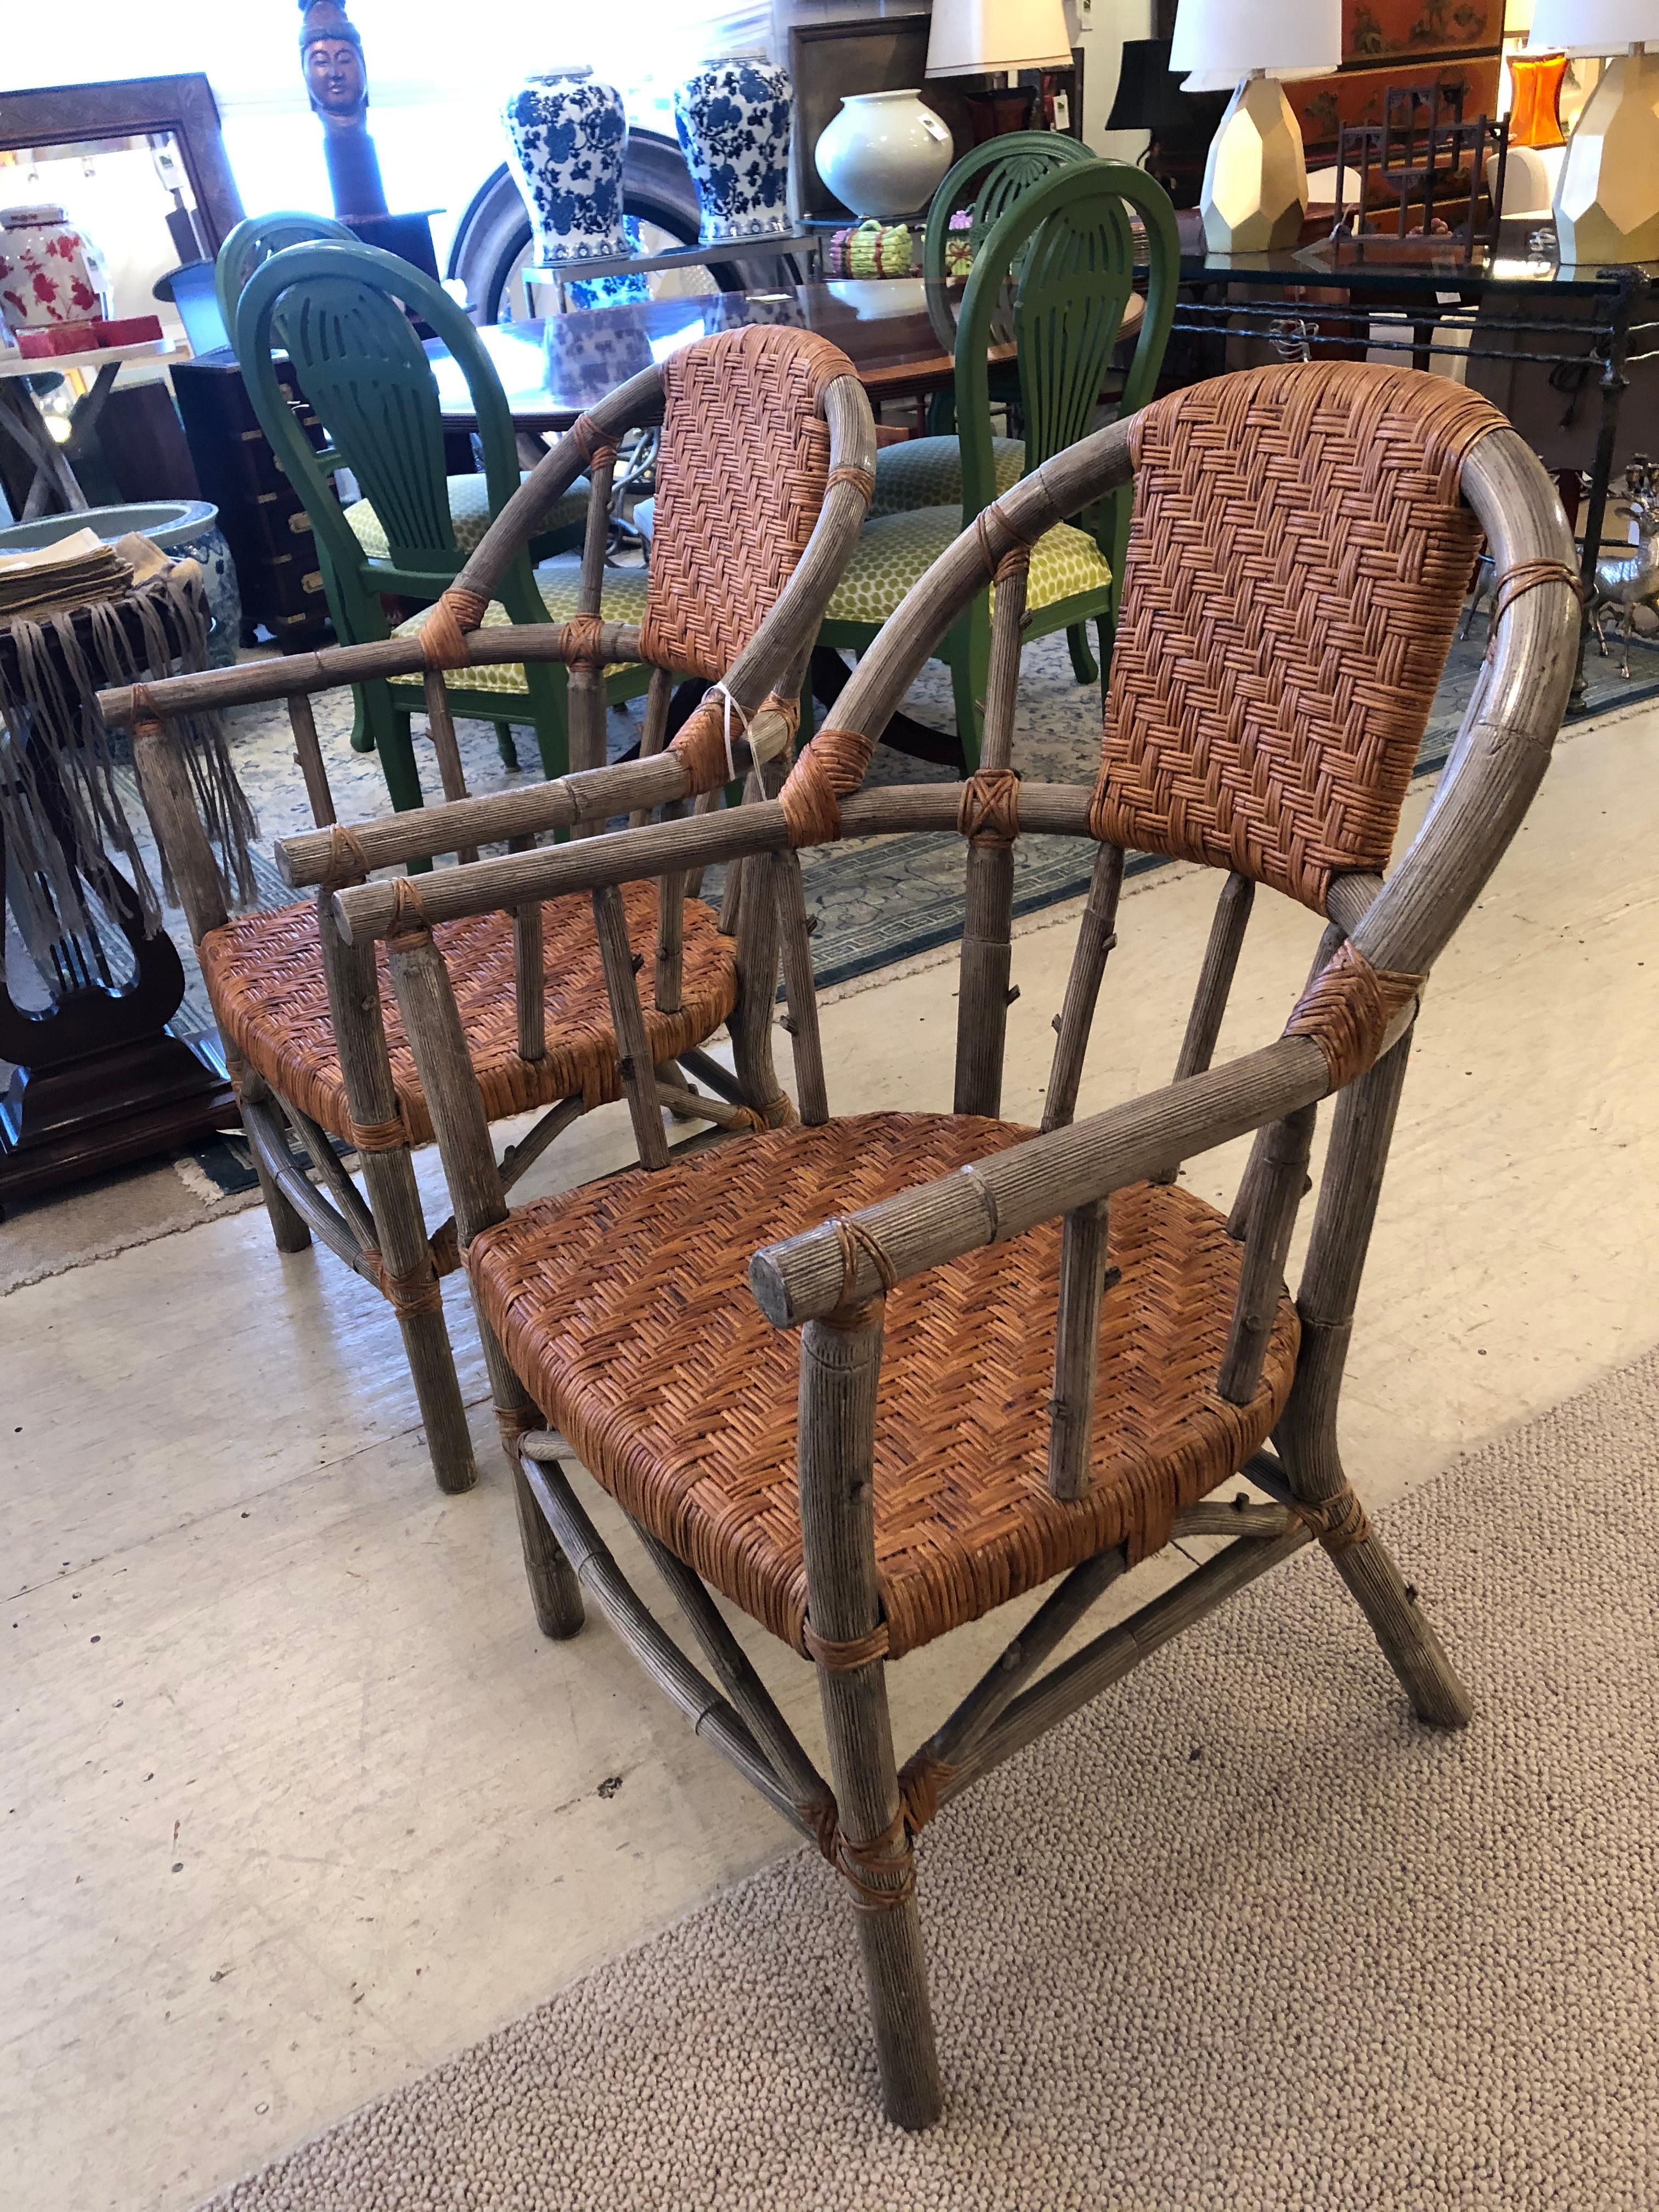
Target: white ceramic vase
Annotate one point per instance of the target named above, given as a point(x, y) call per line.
point(884, 153)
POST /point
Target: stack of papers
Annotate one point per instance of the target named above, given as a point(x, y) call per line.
point(72, 573)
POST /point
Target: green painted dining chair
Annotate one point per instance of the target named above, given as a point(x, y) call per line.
point(248, 248)
point(1066, 247)
point(339, 313)
point(982, 187)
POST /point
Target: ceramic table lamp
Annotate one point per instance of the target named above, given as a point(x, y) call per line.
point(1255, 180)
point(1607, 200)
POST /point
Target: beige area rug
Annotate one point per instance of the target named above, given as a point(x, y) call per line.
point(1239, 1935)
point(95, 1220)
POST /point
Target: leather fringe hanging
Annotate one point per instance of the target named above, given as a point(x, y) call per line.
point(71, 863)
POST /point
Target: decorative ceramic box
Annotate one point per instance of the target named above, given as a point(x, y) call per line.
point(733, 117)
point(50, 272)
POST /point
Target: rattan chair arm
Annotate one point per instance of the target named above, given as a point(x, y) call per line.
point(335, 665)
point(826, 1270)
point(587, 795)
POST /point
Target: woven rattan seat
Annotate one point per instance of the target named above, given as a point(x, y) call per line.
point(625, 1309)
point(265, 976)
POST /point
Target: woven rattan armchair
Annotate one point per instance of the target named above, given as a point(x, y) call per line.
point(767, 446)
point(979, 1359)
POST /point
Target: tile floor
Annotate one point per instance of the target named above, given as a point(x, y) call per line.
point(293, 1799)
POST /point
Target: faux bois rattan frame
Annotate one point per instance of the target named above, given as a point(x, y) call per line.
point(867, 1501)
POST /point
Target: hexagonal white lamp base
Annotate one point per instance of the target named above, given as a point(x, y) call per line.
point(1606, 203)
point(1255, 180)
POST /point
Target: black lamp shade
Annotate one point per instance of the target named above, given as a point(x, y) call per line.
point(1150, 98)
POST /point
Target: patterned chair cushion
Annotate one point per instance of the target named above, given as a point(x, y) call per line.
point(469, 515)
point(894, 550)
point(623, 601)
point(928, 472)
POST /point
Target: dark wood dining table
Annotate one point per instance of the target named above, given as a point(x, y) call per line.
point(551, 368)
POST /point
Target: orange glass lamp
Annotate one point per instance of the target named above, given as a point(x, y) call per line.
point(1535, 105)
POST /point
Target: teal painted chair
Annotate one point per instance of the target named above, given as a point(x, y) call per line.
point(248, 248)
point(1067, 246)
point(338, 311)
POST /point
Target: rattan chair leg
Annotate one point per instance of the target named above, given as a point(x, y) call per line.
point(1306, 1436)
point(838, 1374)
point(396, 1222)
point(396, 1200)
point(288, 1228)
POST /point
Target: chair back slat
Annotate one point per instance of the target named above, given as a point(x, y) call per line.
point(308, 751)
point(1297, 567)
point(989, 818)
point(639, 1077)
point(1097, 938)
point(363, 369)
point(585, 696)
point(252, 243)
point(984, 185)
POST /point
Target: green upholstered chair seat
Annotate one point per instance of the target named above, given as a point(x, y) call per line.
point(469, 515)
point(623, 602)
point(928, 472)
point(894, 550)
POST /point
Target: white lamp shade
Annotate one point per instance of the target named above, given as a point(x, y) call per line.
point(970, 37)
point(1593, 27)
point(1221, 41)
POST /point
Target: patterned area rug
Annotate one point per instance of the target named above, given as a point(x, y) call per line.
point(1240, 1934)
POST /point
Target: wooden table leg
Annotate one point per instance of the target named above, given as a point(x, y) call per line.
point(23, 422)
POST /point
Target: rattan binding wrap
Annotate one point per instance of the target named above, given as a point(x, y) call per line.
point(624, 1309)
point(1347, 1011)
point(265, 977)
point(745, 463)
point(1297, 563)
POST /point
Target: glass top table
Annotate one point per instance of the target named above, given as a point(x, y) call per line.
point(890, 328)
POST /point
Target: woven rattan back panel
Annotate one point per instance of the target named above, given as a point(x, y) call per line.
point(1298, 562)
point(745, 460)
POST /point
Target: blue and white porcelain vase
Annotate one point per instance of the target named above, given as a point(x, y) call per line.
point(733, 117)
point(566, 139)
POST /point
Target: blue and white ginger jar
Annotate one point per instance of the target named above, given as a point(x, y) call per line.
point(734, 119)
point(567, 140)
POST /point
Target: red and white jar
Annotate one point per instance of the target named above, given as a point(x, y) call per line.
point(51, 274)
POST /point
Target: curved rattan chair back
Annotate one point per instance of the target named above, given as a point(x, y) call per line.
point(254, 242)
point(1297, 563)
point(339, 312)
point(986, 183)
point(744, 449)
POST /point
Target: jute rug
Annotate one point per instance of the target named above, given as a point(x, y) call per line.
point(1241, 1935)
